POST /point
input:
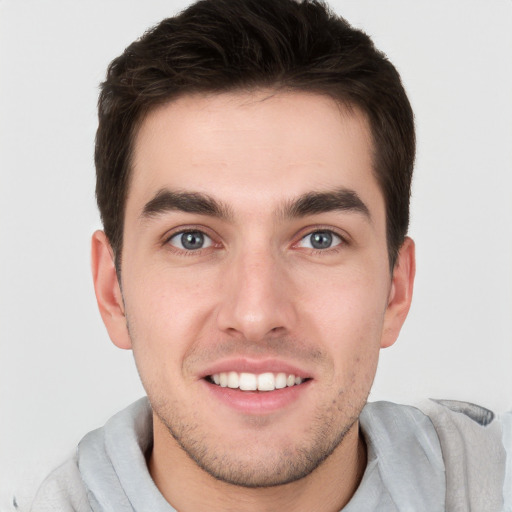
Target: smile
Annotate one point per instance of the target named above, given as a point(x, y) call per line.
point(255, 382)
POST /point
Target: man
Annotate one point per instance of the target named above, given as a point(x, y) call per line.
point(254, 161)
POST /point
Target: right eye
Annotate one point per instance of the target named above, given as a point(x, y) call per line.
point(193, 240)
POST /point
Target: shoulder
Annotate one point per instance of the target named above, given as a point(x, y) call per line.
point(474, 443)
point(454, 422)
point(62, 490)
point(103, 467)
point(477, 451)
point(467, 429)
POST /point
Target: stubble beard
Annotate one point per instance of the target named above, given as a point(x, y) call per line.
point(326, 431)
point(275, 467)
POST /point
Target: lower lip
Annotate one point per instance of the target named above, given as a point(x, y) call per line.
point(258, 402)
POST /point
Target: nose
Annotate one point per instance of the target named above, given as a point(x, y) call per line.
point(257, 297)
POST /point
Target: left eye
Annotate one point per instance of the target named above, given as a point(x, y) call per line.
point(191, 240)
point(323, 239)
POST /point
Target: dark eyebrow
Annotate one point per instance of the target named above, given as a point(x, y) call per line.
point(190, 202)
point(321, 202)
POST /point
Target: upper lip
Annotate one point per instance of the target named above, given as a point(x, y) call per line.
point(256, 366)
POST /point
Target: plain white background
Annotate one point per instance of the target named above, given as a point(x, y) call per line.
point(59, 374)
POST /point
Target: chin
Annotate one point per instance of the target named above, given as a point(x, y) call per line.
point(260, 460)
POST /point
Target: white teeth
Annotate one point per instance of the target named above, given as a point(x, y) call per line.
point(252, 382)
point(248, 382)
point(280, 380)
point(266, 382)
point(233, 380)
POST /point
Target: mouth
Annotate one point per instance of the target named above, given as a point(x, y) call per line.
point(264, 382)
point(257, 387)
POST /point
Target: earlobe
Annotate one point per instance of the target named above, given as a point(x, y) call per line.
point(400, 295)
point(108, 291)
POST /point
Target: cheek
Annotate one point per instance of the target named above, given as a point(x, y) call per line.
point(167, 312)
point(346, 313)
point(350, 300)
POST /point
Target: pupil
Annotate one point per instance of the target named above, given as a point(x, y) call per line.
point(193, 240)
point(321, 240)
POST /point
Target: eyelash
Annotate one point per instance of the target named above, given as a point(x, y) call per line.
point(308, 232)
point(323, 252)
point(189, 252)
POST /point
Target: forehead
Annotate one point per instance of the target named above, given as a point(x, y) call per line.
point(257, 147)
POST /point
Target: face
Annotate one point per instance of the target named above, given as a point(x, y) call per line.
point(256, 290)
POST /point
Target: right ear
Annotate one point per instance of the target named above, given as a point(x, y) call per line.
point(108, 291)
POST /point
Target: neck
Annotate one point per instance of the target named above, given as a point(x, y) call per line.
point(188, 488)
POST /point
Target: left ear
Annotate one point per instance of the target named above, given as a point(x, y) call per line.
point(400, 294)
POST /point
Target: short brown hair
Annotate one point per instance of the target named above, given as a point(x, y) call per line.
point(223, 45)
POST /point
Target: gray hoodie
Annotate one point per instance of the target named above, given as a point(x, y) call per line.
point(451, 457)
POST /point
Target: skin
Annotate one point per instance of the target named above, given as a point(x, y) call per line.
point(258, 293)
